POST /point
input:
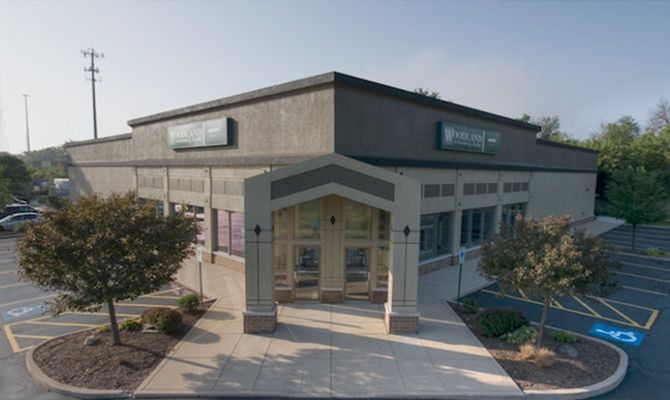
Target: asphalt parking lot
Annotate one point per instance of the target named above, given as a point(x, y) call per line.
point(25, 324)
point(640, 306)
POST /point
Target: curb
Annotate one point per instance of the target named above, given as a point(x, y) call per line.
point(73, 391)
point(610, 383)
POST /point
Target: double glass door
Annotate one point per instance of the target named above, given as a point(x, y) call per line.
point(306, 275)
point(357, 273)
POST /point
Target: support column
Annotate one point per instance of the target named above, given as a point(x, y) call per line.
point(167, 206)
point(402, 308)
point(260, 315)
point(211, 233)
point(497, 216)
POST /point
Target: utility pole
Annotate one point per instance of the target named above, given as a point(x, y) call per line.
point(92, 54)
point(25, 106)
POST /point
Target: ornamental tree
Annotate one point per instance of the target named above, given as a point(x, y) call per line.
point(545, 260)
point(636, 196)
point(98, 251)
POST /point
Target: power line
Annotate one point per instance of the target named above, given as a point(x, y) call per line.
point(92, 54)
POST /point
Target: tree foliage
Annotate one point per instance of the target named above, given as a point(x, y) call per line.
point(636, 196)
point(659, 117)
point(97, 251)
point(15, 173)
point(545, 260)
point(427, 92)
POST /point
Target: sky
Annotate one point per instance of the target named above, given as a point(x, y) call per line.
point(587, 62)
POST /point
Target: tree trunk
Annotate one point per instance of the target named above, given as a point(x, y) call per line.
point(543, 320)
point(634, 228)
point(112, 323)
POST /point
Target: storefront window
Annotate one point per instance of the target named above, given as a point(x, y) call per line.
point(434, 235)
point(281, 224)
point(510, 211)
point(223, 238)
point(476, 226)
point(357, 220)
point(308, 220)
point(281, 270)
point(237, 233)
point(382, 267)
point(384, 224)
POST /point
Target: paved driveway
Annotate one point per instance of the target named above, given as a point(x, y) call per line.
point(339, 350)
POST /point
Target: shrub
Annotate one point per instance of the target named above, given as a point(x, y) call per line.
point(564, 337)
point(524, 334)
point(164, 319)
point(102, 328)
point(527, 351)
point(544, 358)
point(470, 305)
point(189, 303)
point(653, 252)
point(130, 325)
point(499, 321)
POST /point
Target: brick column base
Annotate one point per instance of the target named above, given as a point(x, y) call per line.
point(329, 295)
point(379, 296)
point(260, 322)
point(401, 323)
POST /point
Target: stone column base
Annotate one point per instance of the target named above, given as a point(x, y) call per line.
point(332, 295)
point(401, 323)
point(260, 321)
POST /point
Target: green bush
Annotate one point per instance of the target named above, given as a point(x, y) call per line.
point(102, 328)
point(522, 335)
point(653, 252)
point(189, 303)
point(130, 325)
point(470, 305)
point(499, 321)
point(164, 319)
point(564, 337)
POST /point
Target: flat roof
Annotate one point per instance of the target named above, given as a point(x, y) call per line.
point(332, 78)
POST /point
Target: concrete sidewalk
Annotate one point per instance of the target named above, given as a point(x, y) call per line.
point(322, 350)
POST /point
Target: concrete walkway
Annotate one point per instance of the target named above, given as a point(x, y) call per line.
point(322, 350)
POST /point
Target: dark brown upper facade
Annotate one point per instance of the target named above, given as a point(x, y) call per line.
point(333, 112)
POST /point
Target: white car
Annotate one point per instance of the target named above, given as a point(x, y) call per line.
point(12, 222)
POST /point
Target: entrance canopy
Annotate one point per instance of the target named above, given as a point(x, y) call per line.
point(320, 177)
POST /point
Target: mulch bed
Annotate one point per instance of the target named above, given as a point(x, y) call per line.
point(104, 366)
point(595, 362)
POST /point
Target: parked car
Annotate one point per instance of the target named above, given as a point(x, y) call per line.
point(12, 222)
point(16, 208)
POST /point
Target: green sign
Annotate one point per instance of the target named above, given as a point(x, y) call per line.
point(466, 138)
point(213, 132)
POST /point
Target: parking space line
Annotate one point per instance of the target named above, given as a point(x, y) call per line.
point(101, 314)
point(594, 312)
point(558, 305)
point(51, 323)
point(11, 303)
point(642, 277)
point(7, 272)
point(164, 291)
point(23, 336)
point(14, 285)
point(647, 326)
point(523, 295)
point(645, 266)
point(651, 320)
point(161, 296)
point(144, 305)
point(619, 313)
point(622, 303)
point(11, 339)
point(644, 290)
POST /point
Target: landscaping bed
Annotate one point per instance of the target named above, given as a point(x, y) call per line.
point(104, 366)
point(593, 362)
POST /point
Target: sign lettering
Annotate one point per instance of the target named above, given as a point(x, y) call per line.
point(458, 137)
point(213, 132)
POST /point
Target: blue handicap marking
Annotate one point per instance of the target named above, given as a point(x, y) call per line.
point(617, 334)
point(23, 311)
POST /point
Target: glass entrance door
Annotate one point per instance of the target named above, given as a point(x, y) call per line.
point(357, 273)
point(306, 273)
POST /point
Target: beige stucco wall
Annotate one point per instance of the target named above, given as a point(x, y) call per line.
point(100, 181)
point(562, 194)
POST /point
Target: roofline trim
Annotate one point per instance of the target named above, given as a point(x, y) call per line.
point(327, 78)
point(123, 136)
point(566, 146)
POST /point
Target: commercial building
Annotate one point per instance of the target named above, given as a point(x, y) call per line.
point(334, 188)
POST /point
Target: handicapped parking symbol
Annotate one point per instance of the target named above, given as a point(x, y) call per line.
point(23, 311)
point(614, 333)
